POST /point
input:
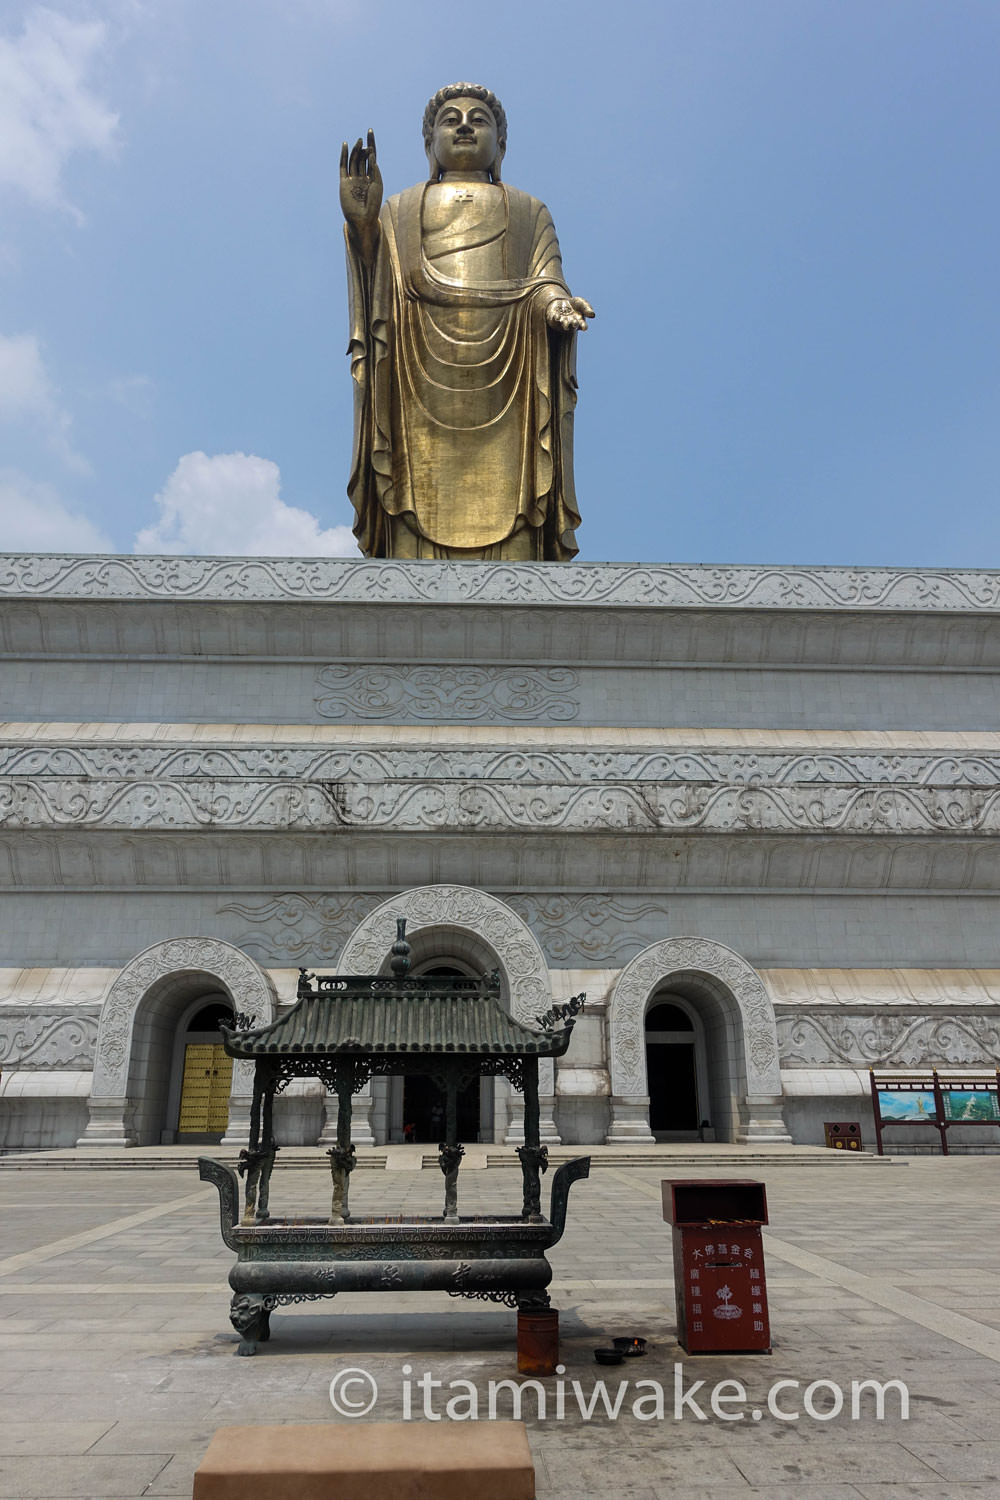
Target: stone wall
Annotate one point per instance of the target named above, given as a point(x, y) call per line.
point(795, 767)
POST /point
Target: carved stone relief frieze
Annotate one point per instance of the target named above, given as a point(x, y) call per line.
point(870, 1040)
point(36, 1040)
point(571, 930)
point(600, 929)
point(444, 694)
point(75, 802)
point(306, 929)
point(422, 806)
point(665, 586)
point(367, 763)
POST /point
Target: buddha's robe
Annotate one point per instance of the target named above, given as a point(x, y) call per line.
point(463, 394)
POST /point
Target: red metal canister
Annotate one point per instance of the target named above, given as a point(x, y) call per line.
point(538, 1342)
point(719, 1281)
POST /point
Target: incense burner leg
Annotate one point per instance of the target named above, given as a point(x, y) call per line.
point(342, 1163)
point(534, 1156)
point(534, 1161)
point(250, 1163)
point(264, 1186)
point(268, 1149)
point(449, 1160)
point(343, 1157)
point(251, 1317)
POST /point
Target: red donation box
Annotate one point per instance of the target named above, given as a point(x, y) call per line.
point(719, 1265)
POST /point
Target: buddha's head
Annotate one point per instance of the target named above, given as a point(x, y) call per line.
point(465, 129)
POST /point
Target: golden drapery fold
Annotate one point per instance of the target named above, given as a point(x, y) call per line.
point(463, 395)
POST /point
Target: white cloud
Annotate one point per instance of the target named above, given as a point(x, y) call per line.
point(48, 109)
point(230, 504)
point(34, 519)
point(28, 397)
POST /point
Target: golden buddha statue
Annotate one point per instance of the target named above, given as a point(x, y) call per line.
point(462, 348)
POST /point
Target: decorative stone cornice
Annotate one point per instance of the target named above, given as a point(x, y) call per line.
point(368, 762)
point(504, 806)
point(70, 859)
point(665, 586)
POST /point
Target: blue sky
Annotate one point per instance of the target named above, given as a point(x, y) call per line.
point(785, 213)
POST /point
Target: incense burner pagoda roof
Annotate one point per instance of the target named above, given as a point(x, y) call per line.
point(359, 1015)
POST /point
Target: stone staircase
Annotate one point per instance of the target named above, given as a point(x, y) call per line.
point(746, 1158)
point(416, 1158)
point(172, 1158)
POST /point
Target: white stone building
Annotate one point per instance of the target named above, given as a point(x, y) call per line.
point(751, 811)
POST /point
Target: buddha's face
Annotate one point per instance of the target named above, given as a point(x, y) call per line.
point(465, 136)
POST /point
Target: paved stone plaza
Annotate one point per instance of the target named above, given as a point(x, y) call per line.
point(119, 1359)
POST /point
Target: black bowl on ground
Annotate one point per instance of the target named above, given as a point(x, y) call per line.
point(630, 1346)
point(608, 1356)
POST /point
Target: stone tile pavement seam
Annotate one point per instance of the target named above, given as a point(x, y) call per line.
point(952, 1325)
point(89, 1236)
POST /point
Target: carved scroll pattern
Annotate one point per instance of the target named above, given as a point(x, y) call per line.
point(509, 806)
point(309, 929)
point(652, 969)
point(492, 763)
point(75, 802)
point(890, 1041)
point(45, 1040)
point(665, 586)
point(447, 694)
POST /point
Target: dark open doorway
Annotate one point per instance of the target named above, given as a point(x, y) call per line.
point(423, 1109)
point(671, 1067)
point(423, 1101)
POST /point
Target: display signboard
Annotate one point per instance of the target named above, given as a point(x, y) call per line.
point(928, 1098)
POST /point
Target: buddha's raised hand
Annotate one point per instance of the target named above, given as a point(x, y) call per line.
point(361, 189)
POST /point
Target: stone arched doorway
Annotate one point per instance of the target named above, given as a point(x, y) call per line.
point(136, 1033)
point(734, 1009)
point(474, 931)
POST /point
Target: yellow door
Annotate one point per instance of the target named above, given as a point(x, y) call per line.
point(208, 1077)
point(222, 1082)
